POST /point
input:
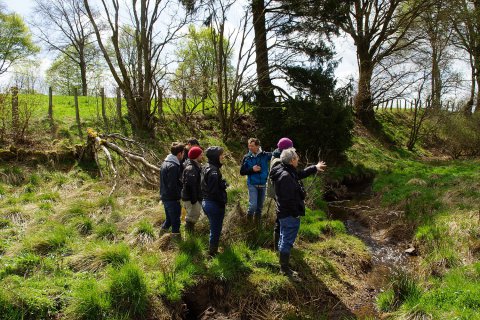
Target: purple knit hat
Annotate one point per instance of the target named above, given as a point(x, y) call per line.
point(284, 143)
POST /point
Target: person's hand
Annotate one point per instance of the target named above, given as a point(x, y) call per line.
point(321, 166)
point(257, 168)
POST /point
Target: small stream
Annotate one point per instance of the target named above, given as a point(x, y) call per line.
point(387, 256)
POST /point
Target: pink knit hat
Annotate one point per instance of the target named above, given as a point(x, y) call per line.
point(284, 143)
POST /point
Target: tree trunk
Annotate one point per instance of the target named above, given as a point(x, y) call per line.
point(119, 109)
point(363, 99)
point(266, 95)
point(436, 82)
point(83, 75)
point(104, 109)
point(77, 113)
point(50, 105)
point(468, 108)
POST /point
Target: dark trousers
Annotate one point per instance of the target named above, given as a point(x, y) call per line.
point(215, 212)
point(173, 211)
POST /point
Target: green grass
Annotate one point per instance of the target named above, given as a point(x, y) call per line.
point(106, 231)
point(51, 238)
point(89, 301)
point(129, 291)
point(176, 278)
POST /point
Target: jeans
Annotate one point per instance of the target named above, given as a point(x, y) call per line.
point(256, 198)
point(288, 233)
point(215, 212)
point(173, 210)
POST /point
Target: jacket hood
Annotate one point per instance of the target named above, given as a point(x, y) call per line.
point(213, 155)
point(279, 168)
point(172, 158)
point(277, 153)
point(276, 172)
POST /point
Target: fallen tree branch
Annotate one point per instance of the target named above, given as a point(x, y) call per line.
point(148, 171)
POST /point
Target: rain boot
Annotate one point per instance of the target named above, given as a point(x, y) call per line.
point(212, 250)
point(285, 267)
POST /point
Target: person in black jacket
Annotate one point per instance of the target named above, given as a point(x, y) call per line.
point(214, 195)
point(191, 142)
point(171, 187)
point(191, 192)
point(290, 204)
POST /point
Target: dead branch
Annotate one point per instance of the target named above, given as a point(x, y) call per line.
point(148, 171)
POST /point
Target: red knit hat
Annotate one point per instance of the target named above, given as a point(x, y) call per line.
point(194, 152)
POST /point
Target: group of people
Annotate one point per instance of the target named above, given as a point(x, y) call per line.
point(184, 178)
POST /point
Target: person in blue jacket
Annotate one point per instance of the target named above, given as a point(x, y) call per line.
point(255, 165)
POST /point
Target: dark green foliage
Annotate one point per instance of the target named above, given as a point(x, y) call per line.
point(128, 291)
point(321, 112)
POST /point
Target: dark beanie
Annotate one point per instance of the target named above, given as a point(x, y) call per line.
point(194, 152)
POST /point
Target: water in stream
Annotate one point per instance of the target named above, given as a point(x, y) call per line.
point(387, 256)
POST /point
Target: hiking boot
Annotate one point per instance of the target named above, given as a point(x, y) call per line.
point(212, 250)
point(257, 219)
point(285, 267)
point(249, 218)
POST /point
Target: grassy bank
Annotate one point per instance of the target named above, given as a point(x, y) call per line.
point(437, 204)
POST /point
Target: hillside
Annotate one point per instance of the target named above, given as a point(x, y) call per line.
point(69, 251)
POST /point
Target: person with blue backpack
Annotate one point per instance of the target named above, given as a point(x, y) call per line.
point(255, 165)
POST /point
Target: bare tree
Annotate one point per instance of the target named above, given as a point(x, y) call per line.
point(65, 28)
point(229, 88)
point(150, 43)
point(379, 29)
point(465, 15)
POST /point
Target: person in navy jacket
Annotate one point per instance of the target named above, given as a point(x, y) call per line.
point(255, 165)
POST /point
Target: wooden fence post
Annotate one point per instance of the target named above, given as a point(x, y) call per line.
point(119, 107)
point(50, 105)
point(77, 113)
point(15, 114)
point(104, 111)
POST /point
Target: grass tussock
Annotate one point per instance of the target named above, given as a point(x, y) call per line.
point(129, 291)
point(89, 301)
point(51, 237)
point(99, 255)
